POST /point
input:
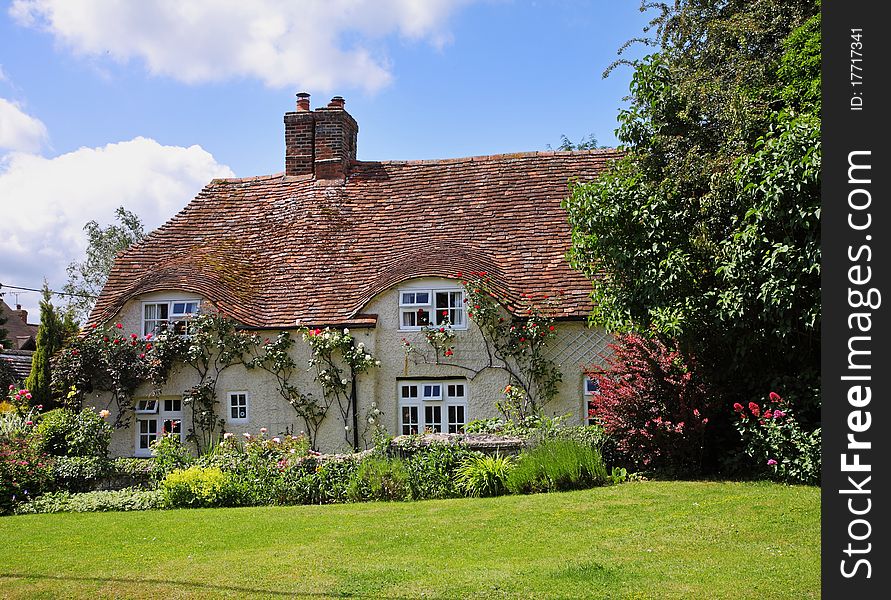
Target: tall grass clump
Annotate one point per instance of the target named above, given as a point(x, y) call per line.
point(484, 475)
point(557, 464)
point(379, 479)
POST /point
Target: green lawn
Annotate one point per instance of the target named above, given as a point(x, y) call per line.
point(636, 540)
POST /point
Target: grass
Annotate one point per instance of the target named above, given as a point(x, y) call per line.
point(636, 540)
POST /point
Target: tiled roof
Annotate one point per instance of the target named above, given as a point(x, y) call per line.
point(273, 249)
point(19, 360)
point(18, 331)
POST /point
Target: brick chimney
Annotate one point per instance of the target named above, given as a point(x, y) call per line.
point(23, 314)
point(320, 142)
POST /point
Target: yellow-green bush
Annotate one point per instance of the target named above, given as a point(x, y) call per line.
point(199, 487)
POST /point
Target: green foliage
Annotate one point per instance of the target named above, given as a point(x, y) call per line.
point(99, 501)
point(484, 475)
point(86, 278)
point(5, 342)
point(432, 471)
point(556, 465)
point(63, 432)
point(720, 185)
point(199, 487)
point(50, 335)
point(88, 473)
point(379, 479)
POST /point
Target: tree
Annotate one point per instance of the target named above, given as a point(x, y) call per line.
point(50, 338)
point(586, 143)
point(707, 231)
point(87, 278)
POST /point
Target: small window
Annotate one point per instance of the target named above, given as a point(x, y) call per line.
point(409, 420)
point(169, 426)
point(238, 407)
point(432, 391)
point(146, 433)
point(456, 418)
point(173, 405)
point(591, 389)
point(409, 391)
point(418, 309)
point(147, 407)
point(433, 418)
point(168, 315)
point(455, 390)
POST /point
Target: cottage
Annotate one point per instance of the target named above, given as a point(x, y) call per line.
point(372, 246)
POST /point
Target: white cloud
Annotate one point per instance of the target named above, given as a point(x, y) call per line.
point(280, 42)
point(45, 202)
point(18, 130)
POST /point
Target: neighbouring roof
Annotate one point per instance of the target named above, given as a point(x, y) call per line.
point(19, 360)
point(21, 333)
point(273, 249)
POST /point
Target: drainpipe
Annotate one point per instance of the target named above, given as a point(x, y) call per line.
point(354, 401)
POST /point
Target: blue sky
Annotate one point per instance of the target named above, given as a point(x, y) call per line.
point(139, 104)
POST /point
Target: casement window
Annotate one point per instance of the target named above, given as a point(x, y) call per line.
point(168, 315)
point(434, 406)
point(155, 418)
point(591, 389)
point(420, 308)
point(237, 407)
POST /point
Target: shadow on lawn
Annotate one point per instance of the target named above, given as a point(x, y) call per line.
point(201, 586)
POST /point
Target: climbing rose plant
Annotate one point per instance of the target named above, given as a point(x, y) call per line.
point(517, 335)
point(338, 359)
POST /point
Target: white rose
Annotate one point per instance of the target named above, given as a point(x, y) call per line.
point(346, 331)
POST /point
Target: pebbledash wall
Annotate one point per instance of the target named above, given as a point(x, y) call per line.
point(575, 345)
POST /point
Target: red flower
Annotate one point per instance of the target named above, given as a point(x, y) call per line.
point(93, 326)
point(552, 328)
point(738, 407)
point(142, 356)
point(768, 414)
point(522, 339)
point(458, 275)
point(448, 352)
point(442, 330)
point(476, 307)
point(445, 313)
point(132, 336)
point(148, 346)
point(104, 338)
point(774, 397)
point(756, 410)
point(119, 326)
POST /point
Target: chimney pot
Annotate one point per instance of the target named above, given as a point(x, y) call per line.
point(336, 102)
point(303, 102)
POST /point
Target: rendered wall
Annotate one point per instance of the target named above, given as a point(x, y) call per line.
point(574, 345)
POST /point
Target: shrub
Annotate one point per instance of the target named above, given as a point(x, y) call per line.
point(169, 454)
point(783, 449)
point(63, 432)
point(652, 406)
point(199, 487)
point(103, 501)
point(432, 471)
point(379, 479)
point(555, 465)
point(484, 475)
point(333, 479)
point(25, 471)
point(80, 473)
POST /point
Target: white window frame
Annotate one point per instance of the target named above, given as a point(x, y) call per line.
point(452, 393)
point(157, 417)
point(457, 309)
point(591, 389)
point(247, 406)
point(172, 316)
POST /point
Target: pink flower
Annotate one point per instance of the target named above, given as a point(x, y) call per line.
point(104, 413)
point(277, 440)
point(29, 423)
point(774, 397)
point(228, 435)
point(246, 435)
point(777, 414)
point(771, 462)
point(263, 430)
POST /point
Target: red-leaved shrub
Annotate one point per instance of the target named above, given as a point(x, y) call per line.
point(652, 406)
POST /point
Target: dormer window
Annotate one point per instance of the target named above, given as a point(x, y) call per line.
point(423, 307)
point(171, 315)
